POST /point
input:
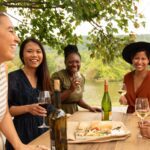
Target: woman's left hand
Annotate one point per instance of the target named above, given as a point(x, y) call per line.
point(95, 109)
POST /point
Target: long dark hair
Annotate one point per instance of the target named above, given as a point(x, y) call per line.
point(42, 71)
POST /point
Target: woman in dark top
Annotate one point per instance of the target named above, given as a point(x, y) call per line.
point(24, 87)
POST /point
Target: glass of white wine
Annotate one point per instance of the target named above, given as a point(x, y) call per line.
point(142, 108)
point(78, 78)
point(123, 90)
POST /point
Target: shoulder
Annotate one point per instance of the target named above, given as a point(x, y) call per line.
point(59, 74)
point(14, 74)
point(149, 73)
point(129, 75)
point(3, 67)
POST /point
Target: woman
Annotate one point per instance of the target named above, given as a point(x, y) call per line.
point(70, 96)
point(137, 81)
point(8, 42)
point(24, 86)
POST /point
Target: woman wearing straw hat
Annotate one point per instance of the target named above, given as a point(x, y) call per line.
point(137, 81)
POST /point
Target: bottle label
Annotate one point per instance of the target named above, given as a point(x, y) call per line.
point(107, 115)
point(110, 115)
point(58, 132)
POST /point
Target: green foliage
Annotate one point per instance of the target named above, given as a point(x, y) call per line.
point(53, 22)
point(95, 69)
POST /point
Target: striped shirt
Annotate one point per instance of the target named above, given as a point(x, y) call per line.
point(3, 91)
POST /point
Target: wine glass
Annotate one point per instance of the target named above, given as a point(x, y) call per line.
point(123, 89)
point(77, 76)
point(142, 108)
point(44, 100)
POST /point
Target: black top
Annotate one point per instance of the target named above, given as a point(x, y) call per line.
point(20, 92)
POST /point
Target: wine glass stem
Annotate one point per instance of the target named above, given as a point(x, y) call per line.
point(44, 121)
point(142, 121)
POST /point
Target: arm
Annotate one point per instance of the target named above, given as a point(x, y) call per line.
point(9, 131)
point(82, 104)
point(33, 109)
point(123, 99)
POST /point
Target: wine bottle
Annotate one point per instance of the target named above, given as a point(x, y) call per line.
point(58, 122)
point(106, 104)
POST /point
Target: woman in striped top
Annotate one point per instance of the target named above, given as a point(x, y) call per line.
point(8, 42)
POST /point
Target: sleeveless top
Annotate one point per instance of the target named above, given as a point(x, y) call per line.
point(3, 91)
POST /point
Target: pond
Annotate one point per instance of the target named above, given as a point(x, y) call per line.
point(94, 92)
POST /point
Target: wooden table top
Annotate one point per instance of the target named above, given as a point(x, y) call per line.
point(129, 120)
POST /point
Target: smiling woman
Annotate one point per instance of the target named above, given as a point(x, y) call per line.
point(8, 42)
point(70, 96)
point(137, 81)
point(8, 39)
point(23, 91)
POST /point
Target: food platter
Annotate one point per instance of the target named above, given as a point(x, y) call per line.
point(96, 131)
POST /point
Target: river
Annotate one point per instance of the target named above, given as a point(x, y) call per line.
point(93, 92)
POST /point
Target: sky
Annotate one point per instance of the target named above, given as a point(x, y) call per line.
point(143, 8)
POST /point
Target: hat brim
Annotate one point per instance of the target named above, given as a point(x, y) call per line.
point(133, 48)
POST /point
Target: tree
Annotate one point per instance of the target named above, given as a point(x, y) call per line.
point(53, 22)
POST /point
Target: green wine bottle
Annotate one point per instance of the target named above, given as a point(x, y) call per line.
point(58, 122)
point(106, 104)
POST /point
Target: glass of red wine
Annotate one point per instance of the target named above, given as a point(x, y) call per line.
point(44, 100)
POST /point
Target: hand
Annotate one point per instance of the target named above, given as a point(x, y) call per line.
point(74, 84)
point(37, 110)
point(145, 129)
point(95, 109)
point(123, 100)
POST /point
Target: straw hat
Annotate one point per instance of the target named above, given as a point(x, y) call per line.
point(129, 51)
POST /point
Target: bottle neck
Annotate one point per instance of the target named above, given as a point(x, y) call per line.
point(105, 87)
point(57, 99)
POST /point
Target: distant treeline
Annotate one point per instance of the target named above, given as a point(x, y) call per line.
point(92, 68)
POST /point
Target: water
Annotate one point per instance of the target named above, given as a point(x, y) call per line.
point(94, 90)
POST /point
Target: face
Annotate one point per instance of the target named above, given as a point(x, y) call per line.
point(140, 61)
point(32, 55)
point(8, 39)
point(73, 63)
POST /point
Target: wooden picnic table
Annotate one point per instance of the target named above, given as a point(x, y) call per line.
point(129, 120)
